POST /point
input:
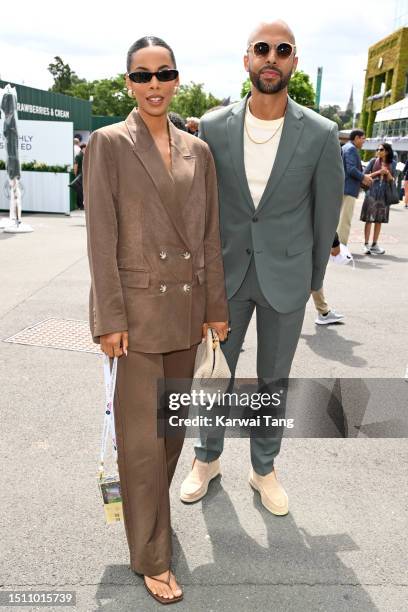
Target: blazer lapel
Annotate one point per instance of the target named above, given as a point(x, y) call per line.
point(146, 151)
point(291, 133)
point(235, 127)
point(183, 168)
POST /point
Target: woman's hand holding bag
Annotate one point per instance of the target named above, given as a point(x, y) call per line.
point(221, 329)
point(211, 371)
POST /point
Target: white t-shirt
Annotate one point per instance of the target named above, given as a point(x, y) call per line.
point(259, 158)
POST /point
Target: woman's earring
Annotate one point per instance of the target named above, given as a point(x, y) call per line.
point(130, 93)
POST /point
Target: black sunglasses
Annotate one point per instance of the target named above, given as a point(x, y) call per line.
point(283, 49)
point(381, 149)
point(143, 76)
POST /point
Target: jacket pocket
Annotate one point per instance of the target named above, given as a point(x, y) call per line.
point(134, 278)
point(298, 247)
point(299, 169)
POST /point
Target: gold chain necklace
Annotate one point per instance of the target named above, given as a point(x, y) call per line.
point(261, 141)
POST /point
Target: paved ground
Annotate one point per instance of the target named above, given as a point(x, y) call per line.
point(343, 545)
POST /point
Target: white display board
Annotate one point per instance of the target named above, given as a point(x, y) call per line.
point(41, 191)
point(47, 142)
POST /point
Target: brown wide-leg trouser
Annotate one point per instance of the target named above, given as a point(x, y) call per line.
point(147, 462)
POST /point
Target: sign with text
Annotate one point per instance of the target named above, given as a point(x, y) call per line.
point(47, 142)
point(43, 110)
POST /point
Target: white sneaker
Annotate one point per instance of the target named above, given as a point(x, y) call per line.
point(366, 249)
point(195, 486)
point(377, 250)
point(331, 317)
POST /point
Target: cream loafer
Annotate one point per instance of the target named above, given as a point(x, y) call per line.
point(273, 495)
point(195, 486)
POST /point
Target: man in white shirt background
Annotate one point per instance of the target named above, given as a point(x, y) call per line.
point(280, 180)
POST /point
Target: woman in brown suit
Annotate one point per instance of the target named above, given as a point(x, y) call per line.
point(157, 283)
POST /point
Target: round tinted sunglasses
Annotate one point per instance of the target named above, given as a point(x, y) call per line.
point(283, 50)
point(143, 76)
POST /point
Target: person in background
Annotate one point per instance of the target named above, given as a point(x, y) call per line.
point(354, 178)
point(405, 179)
point(374, 210)
point(192, 125)
point(325, 314)
point(78, 172)
point(79, 159)
point(177, 120)
point(77, 148)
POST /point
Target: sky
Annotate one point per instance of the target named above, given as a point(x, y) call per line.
point(208, 39)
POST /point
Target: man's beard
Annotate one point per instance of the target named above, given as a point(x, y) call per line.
point(269, 88)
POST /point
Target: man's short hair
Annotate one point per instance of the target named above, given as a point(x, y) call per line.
point(177, 120)
point(355, 133)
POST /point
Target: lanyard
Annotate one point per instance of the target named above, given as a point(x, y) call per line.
point(109, 420)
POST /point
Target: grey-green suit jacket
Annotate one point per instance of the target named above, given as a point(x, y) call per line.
point(291, 232)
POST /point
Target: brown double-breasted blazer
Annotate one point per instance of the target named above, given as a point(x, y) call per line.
point(153, 237)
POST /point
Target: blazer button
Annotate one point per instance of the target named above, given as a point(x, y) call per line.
point(163, 288)
point(255, 220)
point(249, 251)
point(186, 288)
point(186, 255)
point(163, 255)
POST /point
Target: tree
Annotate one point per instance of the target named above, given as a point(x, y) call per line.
point(300, 89)
point(192, 101)
point(333, 112)
point(246, 87)
point(64, 77)
point(109, 96)
point(348, 125)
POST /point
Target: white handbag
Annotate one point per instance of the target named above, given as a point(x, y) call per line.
point(211, 371)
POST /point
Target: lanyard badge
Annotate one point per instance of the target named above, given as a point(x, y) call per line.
point(109, 486)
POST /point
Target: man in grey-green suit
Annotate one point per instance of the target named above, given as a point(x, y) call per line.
point(280, 179)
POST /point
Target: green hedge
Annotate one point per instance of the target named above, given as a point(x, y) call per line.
point(35, 166)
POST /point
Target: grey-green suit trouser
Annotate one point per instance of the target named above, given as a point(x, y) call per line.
point(277, 339)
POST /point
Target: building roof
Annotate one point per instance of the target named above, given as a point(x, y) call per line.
point(399, 110)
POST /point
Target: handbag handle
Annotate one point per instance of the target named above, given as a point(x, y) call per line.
point(215, 339)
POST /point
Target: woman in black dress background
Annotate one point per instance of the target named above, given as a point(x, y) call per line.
point(374, 209)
